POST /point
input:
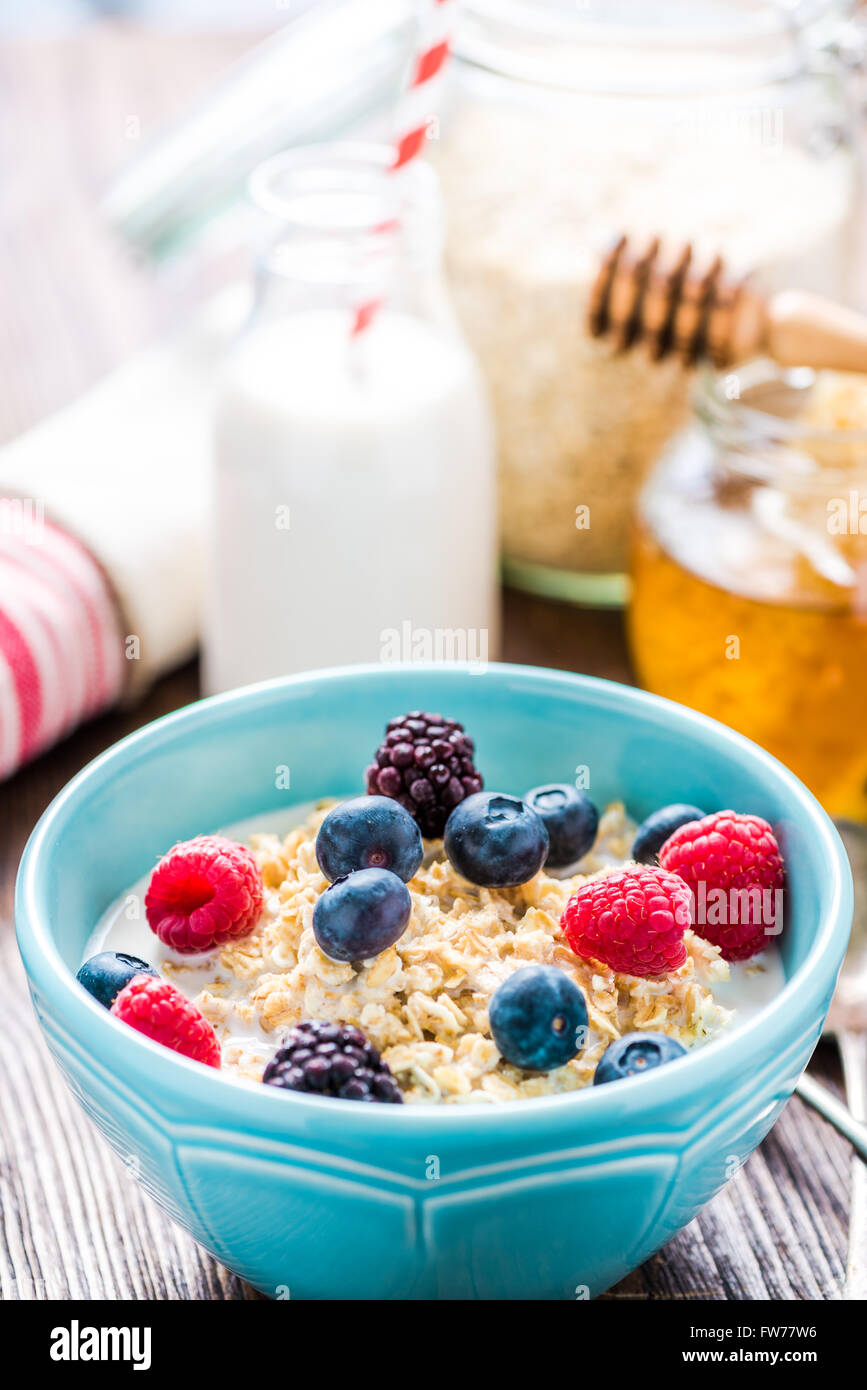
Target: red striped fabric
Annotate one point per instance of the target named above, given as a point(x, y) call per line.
point(26, 682)
point(61, 645)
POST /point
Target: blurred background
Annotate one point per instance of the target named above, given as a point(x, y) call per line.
point(354, 410)
point(733, 128)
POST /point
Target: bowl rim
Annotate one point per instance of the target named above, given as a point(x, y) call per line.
point(255, 1107)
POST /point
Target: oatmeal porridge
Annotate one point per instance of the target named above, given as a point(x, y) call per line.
point(442, 1007)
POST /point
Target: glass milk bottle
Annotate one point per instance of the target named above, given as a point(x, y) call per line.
point(353, 511)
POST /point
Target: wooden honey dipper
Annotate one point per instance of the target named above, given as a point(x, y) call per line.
point(681, 307)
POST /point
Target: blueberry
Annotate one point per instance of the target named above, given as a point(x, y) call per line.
point(369, 832)
point(361, 915)
point(105, 975)
point(495, 841)
point(636, 1053)
point(653, 832)
point(571, 821)
point(538, 1018)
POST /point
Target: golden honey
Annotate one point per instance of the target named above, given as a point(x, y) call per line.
point(749, 592)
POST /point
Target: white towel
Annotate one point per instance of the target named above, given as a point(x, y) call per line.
point(123, 471)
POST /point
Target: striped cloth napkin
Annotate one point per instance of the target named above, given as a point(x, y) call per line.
point(102, 513)
point(61, 648)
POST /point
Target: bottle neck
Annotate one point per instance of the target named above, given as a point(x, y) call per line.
point(337, 228)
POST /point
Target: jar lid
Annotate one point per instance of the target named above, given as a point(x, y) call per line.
point(629, 48)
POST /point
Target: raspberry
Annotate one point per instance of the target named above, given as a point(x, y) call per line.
point(632, 920)
point(154, 1007)
point(204, 893)
point(425, 763)
point(328, 1059)
point(738, 855)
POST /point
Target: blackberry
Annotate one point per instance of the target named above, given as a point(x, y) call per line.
point(426, 764)
point(328, 1059)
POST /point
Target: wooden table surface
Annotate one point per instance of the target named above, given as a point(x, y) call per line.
point(73, 1224)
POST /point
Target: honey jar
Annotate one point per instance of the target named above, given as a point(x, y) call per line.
point(749, 571)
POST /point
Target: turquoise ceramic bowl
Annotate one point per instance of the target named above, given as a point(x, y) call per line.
point(308, 1197)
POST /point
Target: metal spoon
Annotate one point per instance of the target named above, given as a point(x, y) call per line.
point(847, 1022)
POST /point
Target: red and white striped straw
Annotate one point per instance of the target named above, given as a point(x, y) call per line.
point(413, 115)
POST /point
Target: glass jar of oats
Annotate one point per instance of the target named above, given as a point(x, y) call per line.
point(713, 121)
point(749, 571)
